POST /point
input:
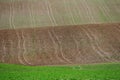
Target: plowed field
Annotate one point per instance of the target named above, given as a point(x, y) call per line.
point(80, 44)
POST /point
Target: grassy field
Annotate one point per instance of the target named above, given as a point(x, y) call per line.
point(83, 72)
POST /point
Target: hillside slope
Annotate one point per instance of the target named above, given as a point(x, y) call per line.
point(80, 44)
point(42, 13)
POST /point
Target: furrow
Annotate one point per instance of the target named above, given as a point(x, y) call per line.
point(45, 60)
point(13, 26)
point(118, 29)
point(98, 48)
point(31, 17)
point(10, 22)
point(24, 51)
point(11, 49)
point(67, 8)
point(83, 5)
point(77, 45)
point(105, 11)
point(94, 45)
point(61, 51)
point(77, 9)
point(48, 54)
point(19, 49)
point(4, 51)
point(12, 14)
point(10, 18)
point(89, 11)
point(50, 13)
point(55, 46)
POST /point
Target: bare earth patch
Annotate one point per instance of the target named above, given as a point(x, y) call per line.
point(80, 44)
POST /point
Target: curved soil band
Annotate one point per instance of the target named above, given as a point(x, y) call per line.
point(80, 44)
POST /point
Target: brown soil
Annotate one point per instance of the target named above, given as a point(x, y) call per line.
point(80, 44)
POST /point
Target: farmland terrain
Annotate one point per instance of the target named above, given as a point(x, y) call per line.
point(80, 44)
point(43, 13)
point(59, 39)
